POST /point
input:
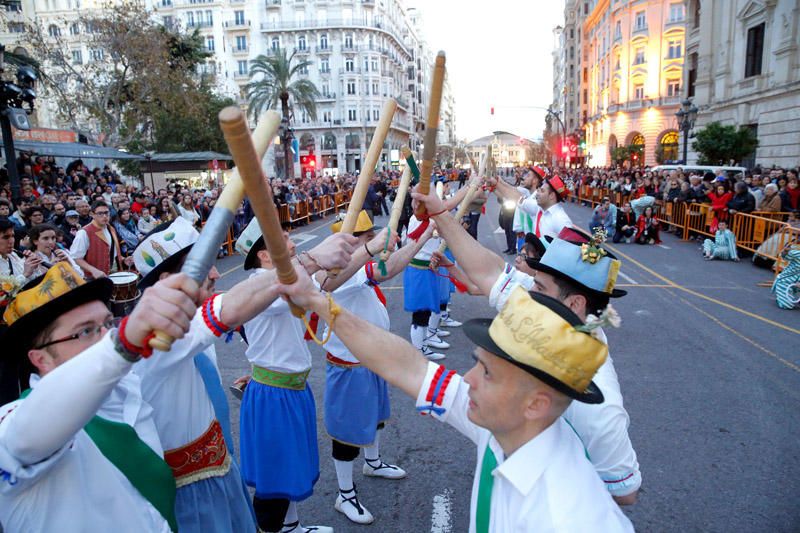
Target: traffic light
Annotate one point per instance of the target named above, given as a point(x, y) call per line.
point(308, 163)
point(583, 144)
point(491, 110)
point(564, 149)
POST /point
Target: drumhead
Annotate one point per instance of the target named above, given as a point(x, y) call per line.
point(123, 278)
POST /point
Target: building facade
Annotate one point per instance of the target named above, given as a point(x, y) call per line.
point(743, 69)
point(508, 150)
point(361, 53)
point(631, 83)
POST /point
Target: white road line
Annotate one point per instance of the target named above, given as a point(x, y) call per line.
point(440, 519)
point(499, 230)
point(664, 247)
point(302, 238)
point(627, 278)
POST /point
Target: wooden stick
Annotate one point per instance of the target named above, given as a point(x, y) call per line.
point(368, 168)
point(234, 126)
point(471, 192)
point(431, 129)
point(204, 252)
point(397, 206)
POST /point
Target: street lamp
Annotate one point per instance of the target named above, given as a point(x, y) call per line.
point(149, 157)
point(686, 117)
point(14, 98)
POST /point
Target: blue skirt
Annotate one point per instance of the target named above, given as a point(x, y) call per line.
point(356, 401)
point(215, 505)
point(420, 290)
point(278, 441)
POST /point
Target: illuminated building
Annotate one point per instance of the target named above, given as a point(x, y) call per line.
point(631, 78)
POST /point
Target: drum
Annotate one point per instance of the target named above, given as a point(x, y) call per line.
point(125, 293)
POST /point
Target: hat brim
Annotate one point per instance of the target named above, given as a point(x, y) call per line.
point(375, 229)
point(540, 267)
point(16, 339)
point(250, 261)
point(477, 330)
point(168, 265)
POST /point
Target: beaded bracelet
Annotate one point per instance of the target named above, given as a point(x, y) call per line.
point(145, 351)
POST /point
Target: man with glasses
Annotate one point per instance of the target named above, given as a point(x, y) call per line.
point(79, 450)
point(96, 245)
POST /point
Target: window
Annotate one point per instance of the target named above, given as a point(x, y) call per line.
point(275, 43)
point(210, 18)
point(674, 87)
point(669, 146)
point(303, 70)
point(238, 18)
point(617, 61)
point(349, 65)
point(755, 51)
point(241, 43)
point(618, 30)
point(301, 42)
point(375, 88)
point(348, 40)
point(16, 27)
point(366, 64)
point(375, 115)
point(692, 78)
point(54, 31)
point(326, 89)
point(351, 87)
point(640, 21)
point(324, 65)
point(323, 41)
point(638, 91)
point(675, 13)
point(638, 55)
point(366, 87)
point(210, 43)
point(168, 22)
point(326, 116)
point(674, 48)
point(166, 3)
point(77, 57)
point(242, 67)
point(351, 115)
point(74, 28)
point(190, 19)
point(96, 54)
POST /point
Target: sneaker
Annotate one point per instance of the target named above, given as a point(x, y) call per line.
point(347, 503)
point(442, 333)
point(448, 322)
point(295, 527)
point(378, 468)
point(435, 342)
point(431, 355)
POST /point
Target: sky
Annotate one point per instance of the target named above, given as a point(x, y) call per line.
point(499, 54)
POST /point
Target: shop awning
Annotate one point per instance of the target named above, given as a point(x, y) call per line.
point(76, 150)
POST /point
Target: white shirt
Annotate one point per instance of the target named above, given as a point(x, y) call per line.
point(174, 387)
point(430, 246)
point(189, 214)
point(13, 265)
point(53, 259)
point(75, 488)
point(553, 220)
point(603, 428)
point(547, 485)
point(357, 296)
point(80, 245)
point(276, 338)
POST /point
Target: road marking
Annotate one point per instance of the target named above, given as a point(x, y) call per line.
point(664, 247)
point(701, 295)
point(629, 279)
point(301, 238)
point(440, 518)
point(234, 269)
point(499, 230)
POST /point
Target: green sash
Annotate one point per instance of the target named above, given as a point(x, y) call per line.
point(147, 472)
point(484, 506)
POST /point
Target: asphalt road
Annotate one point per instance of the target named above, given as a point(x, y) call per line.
point(709, 368)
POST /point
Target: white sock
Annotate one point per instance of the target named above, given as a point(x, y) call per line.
point(418, 334)
point(373, 452)
point(291, 514)
point(433, 322)
point(344, 474)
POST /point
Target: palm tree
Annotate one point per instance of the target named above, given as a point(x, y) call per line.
point(273, 79)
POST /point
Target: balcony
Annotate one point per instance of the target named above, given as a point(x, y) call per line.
point(312, 24)
point(326, 97)
point(324, 49)
point(235, 50)
point(302, 51)
point(238, 76)
point(273, 4)
point(354, 70)
point(201, 24)
point(639, 30)
point(324, 72)
point(236, 24)
point(349, 48)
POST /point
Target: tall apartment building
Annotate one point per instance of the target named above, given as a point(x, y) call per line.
point(623, 80)
point(361, 51)
point(743, 68)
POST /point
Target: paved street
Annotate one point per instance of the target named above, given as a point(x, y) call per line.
point(710, 371)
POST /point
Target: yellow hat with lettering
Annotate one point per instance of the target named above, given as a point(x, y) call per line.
point(543, 337)
point(363, 224)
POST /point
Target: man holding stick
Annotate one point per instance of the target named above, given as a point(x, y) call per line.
point(509, 405)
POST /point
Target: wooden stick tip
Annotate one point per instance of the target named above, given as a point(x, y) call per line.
point(230, 114)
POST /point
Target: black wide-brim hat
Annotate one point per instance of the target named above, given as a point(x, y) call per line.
point(17, 338)
point(477, 330)
point(251, 259)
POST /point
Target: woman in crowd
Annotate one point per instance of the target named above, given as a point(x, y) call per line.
point(127, 231)
point(790, 196)
point(166, 211)
point(647, 228)
point(44, 241)
point(772, 199)
point(719, 202)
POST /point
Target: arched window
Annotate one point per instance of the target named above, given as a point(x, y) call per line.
point(637, 140)
point(54, 30)
point(352, 141)
point(307, 142)
point(329, 141)
point(669, 146)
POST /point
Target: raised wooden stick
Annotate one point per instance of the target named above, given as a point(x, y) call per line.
point(431, 129)
point(462, 207)
point(234, 126)
point(368, 168)
point(203, 254)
